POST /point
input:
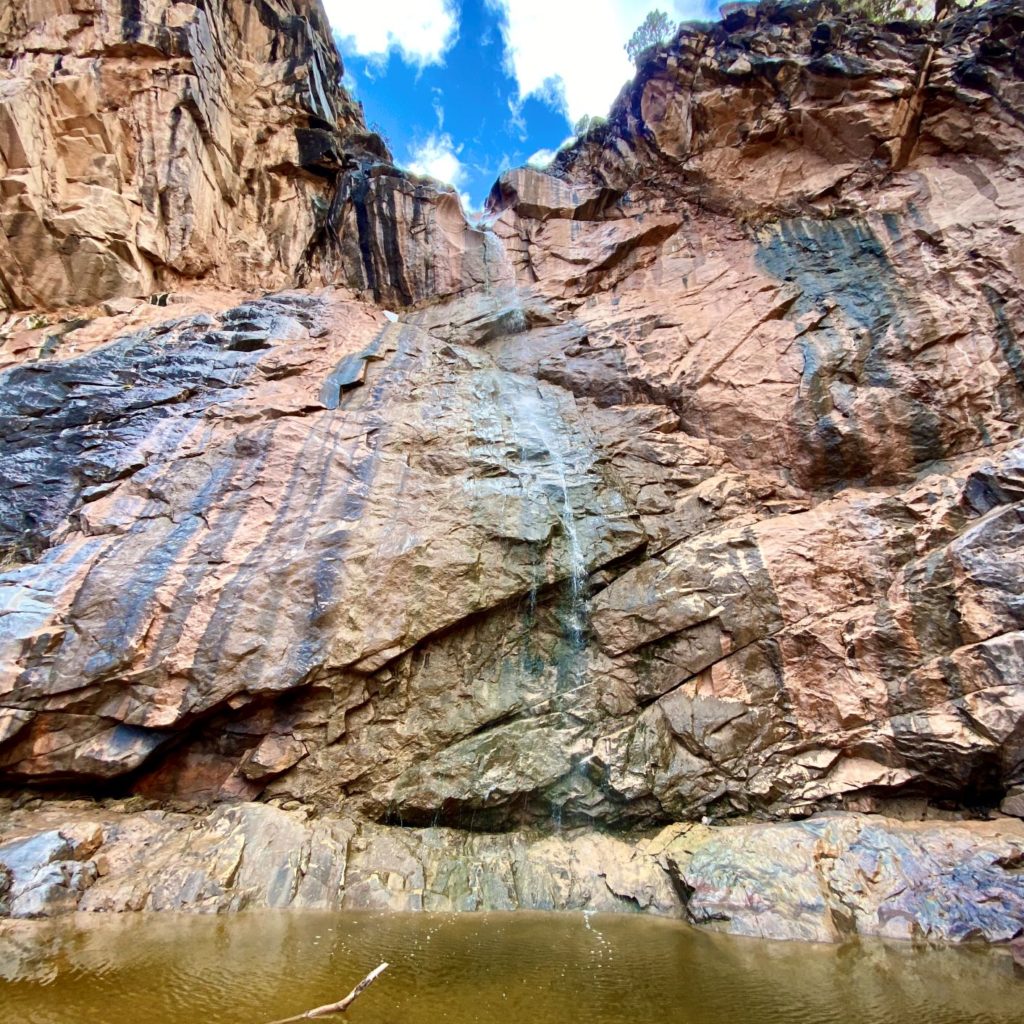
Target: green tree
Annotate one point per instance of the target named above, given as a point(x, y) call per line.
point(586, 123)
point(656, 29)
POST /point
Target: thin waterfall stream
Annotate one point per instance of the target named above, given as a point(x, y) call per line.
point(535, 412)
point(555, 485)
point(554, 467)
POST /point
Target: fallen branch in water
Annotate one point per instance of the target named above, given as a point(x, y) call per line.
point(343, 1004)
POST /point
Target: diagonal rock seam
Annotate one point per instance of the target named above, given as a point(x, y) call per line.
point(685, 486)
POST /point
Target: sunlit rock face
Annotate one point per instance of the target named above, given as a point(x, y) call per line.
point(160, 145)
point(150, 145)
point(689, 485)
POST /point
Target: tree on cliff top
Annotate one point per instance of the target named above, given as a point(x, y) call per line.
point(587, 122)
point(656, 29)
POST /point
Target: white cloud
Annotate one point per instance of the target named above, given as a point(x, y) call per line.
point(438, 157)
point(421, 29)
point(571, 53)
point(541, 160)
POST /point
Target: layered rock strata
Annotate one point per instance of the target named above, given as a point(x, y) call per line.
point(152, 146)
point(689, 486)
point(822, 880)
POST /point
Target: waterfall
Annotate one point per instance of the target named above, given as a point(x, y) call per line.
point(498, 269)
point(538, 426)
point(547, 455)
point(535, 430)
point(556, 485)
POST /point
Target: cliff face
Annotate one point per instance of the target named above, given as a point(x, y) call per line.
point(832, 315)
point(689, 487)
point(148, 145)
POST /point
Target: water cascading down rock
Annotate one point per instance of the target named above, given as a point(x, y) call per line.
point(656, 547)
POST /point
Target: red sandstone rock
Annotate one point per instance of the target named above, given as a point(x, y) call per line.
point(137, 156)
point(693, 488)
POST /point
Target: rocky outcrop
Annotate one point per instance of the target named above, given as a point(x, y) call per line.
point(401, 241)
point(157, 146)
point(255, 855)
point(821, 880)
point(690, 489)
point(849, 328)
point(147, 146)
point(838, 876)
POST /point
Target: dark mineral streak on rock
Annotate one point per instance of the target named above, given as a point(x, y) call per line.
point(479, 569)
point(840, 264)
point(72, 426)
point(1005, 333)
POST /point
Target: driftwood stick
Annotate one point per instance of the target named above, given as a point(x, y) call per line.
point(343, 1004)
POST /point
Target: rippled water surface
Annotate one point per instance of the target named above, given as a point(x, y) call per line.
point(471, 969)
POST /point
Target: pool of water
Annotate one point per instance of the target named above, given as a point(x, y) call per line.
point(477, 968)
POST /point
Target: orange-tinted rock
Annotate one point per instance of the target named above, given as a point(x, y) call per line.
point(199, 142)
point(689, 488)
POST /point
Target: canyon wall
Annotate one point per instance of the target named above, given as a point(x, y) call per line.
point(151, 144)
point(688, 486)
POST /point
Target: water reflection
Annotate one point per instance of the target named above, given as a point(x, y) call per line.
point(470, 969)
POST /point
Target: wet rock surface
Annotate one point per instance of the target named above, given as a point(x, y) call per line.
point(687, 486)
point(308, 457)
point(823, 879)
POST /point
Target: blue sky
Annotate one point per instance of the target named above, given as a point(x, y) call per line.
point(464, 89)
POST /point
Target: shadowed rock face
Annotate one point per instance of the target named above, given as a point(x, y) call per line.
point(690, 486)
point(400, 241)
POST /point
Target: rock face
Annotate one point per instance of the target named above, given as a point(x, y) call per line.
point(255, 855)
point(152, 146)
point(401, 241)
point(689, 486)
point(147, 145)
point(823, 879)
point(838, 876)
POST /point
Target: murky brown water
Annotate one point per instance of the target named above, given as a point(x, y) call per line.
point(471, 969)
